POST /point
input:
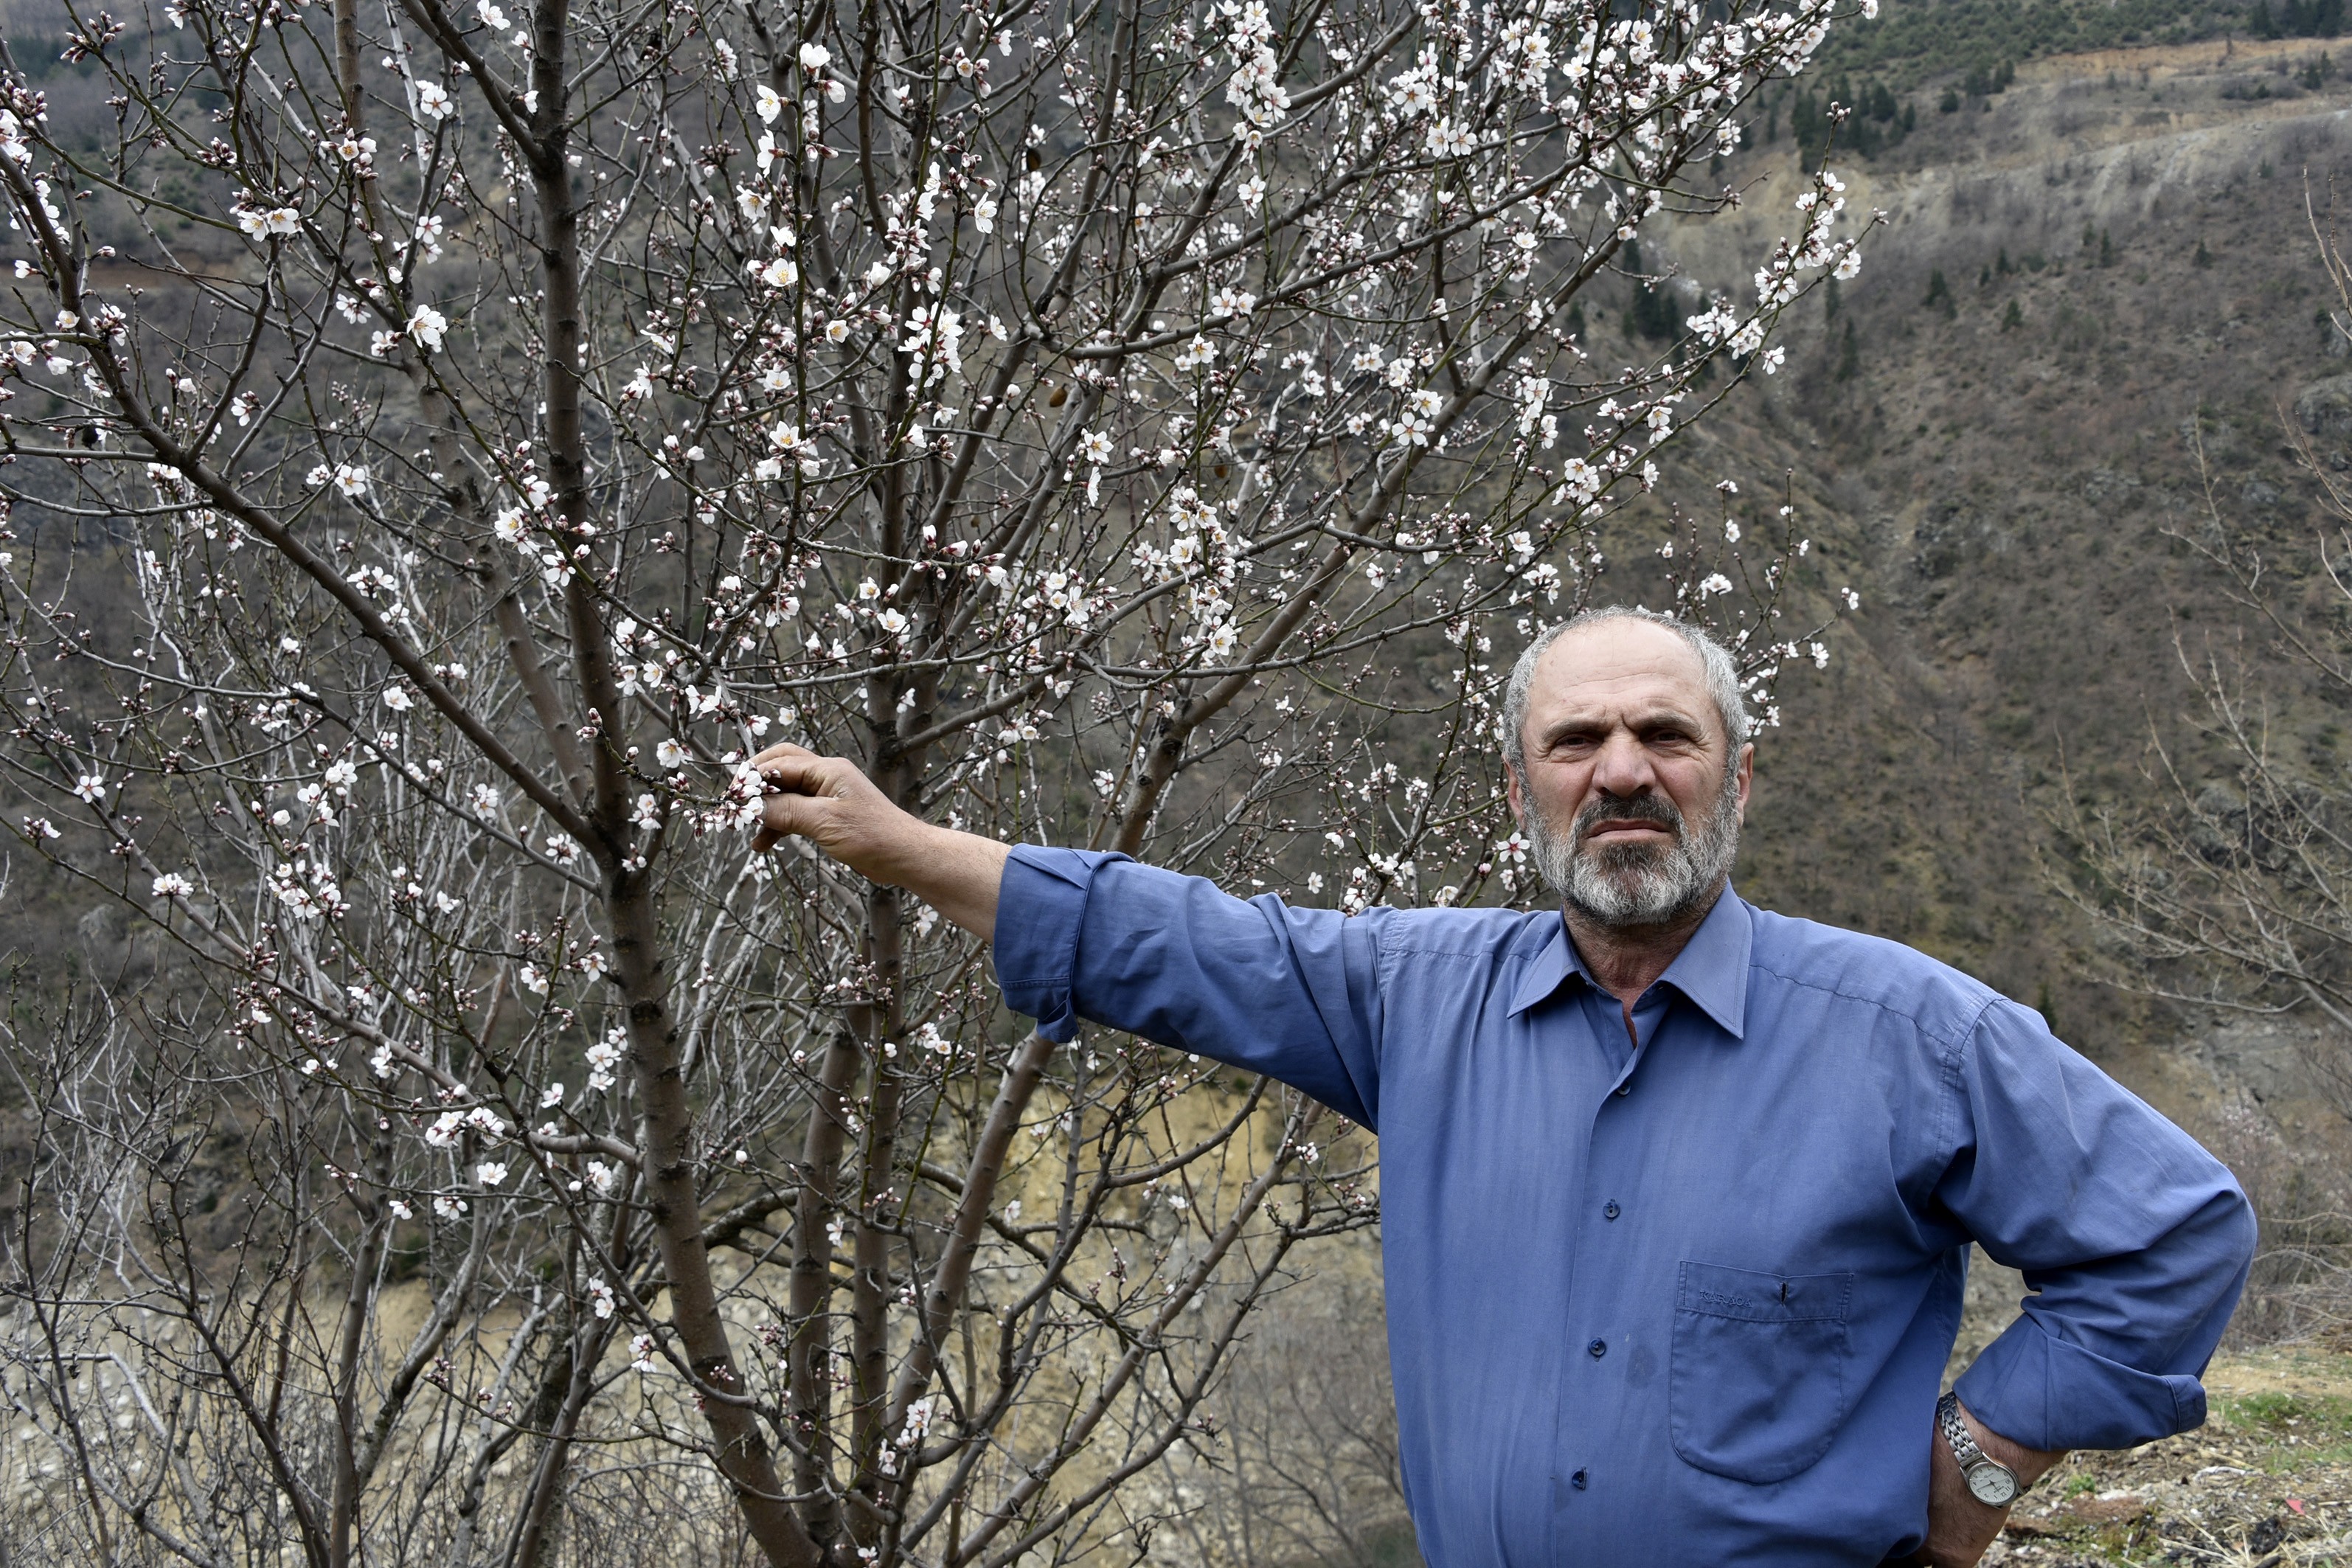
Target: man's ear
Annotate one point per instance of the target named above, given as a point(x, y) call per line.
point(1743, 778)
point(1518, 801)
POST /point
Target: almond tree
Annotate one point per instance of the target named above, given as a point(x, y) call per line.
point(1119, 425)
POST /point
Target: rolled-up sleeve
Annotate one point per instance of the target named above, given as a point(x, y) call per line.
point(2134, 1240)
point(1293, 994)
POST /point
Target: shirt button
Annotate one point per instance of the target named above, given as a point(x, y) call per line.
point(1577, 1480)
point(1611, 1211)
point(1599, 1347)
point(1625, 1088)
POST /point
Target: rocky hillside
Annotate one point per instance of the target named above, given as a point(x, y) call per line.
point(2083, 279)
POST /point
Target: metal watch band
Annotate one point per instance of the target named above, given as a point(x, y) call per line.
point(1956, 1431)
point(1974, 1461)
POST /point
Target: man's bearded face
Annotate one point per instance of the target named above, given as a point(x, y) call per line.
point(1632, 884)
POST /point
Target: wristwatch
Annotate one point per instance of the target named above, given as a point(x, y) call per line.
point(1991, 1482)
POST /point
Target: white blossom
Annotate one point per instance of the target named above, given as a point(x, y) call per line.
point(426, 325)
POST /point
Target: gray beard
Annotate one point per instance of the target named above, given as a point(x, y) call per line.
point(1632, 886)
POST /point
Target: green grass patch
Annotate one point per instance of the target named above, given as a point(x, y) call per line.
point(2286, 1412)
point(2320, 1425)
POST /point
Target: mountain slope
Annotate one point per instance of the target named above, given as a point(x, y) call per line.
point(2081, 280)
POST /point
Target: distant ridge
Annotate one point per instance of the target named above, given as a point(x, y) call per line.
point(1914, 42)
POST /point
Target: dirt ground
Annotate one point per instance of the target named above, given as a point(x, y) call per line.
point(2267, 1482)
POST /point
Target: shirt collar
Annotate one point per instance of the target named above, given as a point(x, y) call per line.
point(1711, 970)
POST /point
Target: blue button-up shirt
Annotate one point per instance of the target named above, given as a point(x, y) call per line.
point(1684, 1298)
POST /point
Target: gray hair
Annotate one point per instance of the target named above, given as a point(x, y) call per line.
point(1721, 675)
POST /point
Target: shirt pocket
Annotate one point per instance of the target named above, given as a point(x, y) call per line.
point(1758, 1387)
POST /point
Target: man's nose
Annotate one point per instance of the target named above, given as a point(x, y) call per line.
point(1622, 767)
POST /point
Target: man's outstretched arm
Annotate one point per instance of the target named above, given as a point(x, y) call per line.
point(1293, 994)
point(828, 801)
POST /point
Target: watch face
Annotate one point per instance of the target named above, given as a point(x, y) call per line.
point(1993, 1485)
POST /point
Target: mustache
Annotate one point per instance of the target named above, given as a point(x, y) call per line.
point(1649, 808)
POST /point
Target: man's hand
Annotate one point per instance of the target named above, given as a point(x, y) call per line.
point(832, 804)
point(1960, 1528)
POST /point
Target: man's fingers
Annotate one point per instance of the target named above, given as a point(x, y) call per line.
point(793, 770)
point(782, 749)
point(825, 799)
point(786, 814)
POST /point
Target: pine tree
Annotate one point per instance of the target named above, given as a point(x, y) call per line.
point(1651, 313)
point(1654, 312)
point(1939, 294)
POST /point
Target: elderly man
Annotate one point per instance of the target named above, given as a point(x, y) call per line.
point(1676, 1192)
